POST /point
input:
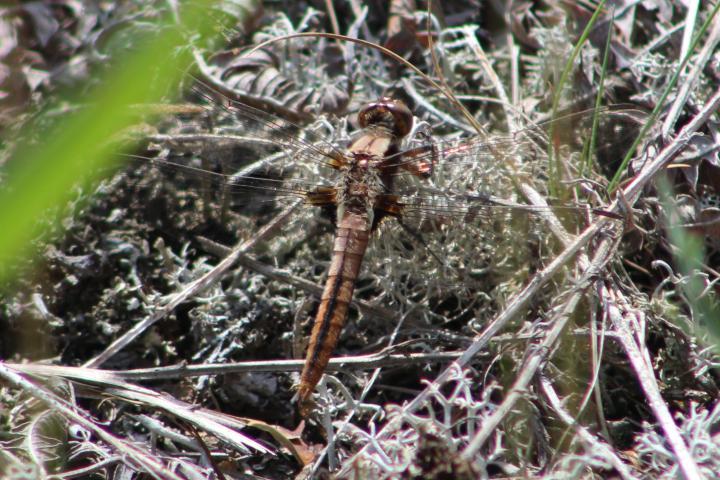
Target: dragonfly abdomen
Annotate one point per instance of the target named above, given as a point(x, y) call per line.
point(351, 240)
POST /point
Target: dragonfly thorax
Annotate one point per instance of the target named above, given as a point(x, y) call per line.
point(360, 185)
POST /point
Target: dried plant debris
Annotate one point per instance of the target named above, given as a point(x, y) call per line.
point(545, 307)
point(427, 443)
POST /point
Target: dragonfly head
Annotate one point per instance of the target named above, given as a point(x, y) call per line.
point(388, 113)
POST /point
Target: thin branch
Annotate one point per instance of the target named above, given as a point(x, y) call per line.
point(632, 192)
point(284, 276)
point(538, 354)
point(694, 74)
point(193, 288)
point(109, 383)
point(111, 377)
point(136, 458)
point(593, 445)
point(631, 336)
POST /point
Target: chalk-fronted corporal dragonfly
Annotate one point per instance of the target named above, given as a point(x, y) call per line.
point(386, 170)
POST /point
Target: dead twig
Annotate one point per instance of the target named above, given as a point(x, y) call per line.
point(522, 299)
point(111, 377)
point(133, 456)
point(280, 275)
point(194, 288)
point(593, 445)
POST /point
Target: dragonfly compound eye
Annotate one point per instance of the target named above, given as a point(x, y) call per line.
point(389, 113)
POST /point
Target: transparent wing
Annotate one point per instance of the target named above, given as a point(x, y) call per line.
point(257, 157)
point(238, 120)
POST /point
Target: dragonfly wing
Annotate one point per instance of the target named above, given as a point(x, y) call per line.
point(251, 123)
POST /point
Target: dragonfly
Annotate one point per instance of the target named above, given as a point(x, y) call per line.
point(383, 172)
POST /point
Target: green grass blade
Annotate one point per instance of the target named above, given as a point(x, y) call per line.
point(42, 175)
point(554, 168)
point(652, 118)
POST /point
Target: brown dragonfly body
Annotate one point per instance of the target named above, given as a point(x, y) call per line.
point(362, 201)
point(375, 179)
